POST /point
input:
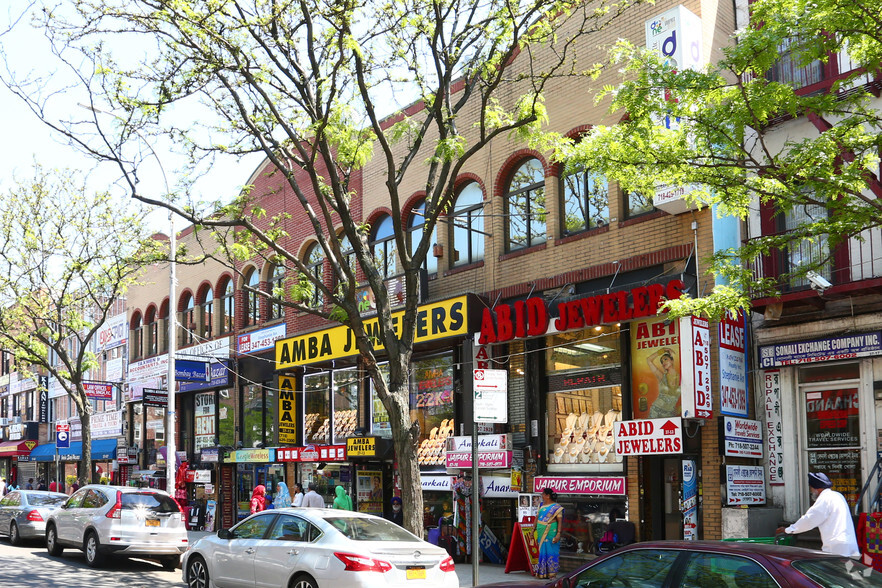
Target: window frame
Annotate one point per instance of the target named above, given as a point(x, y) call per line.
point(251, 316)
point(472, 215)
point(315, 263)
point(589, 213)
point(415, 225)
point(187, 321)
point(227, 308)
point(530, 192)
point(206, 314)
point(387, 265)
point(275, 278)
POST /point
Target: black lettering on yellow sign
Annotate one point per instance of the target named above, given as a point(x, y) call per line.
point(365, 446)
point(287, 410)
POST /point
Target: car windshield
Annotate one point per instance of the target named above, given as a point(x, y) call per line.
point(149, 501)
point(44, 500)
point(839, 572)
point(363, 529)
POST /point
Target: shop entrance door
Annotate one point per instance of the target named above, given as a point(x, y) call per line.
point(660, 499)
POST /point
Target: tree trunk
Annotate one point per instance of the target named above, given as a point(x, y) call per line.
point(404, 440)
point(84, 469)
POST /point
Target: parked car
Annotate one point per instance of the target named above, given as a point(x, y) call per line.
point(23, 513)
point(712, 564)
point(121, 521)
point(316, 548)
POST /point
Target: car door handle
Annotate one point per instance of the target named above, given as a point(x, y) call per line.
point(249, 550)
point(294, 552)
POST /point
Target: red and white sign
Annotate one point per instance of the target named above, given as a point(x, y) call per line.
point(122, 455)
point(98, 391)
point(696, 399)
point(312, 453)
point(62, 426)
point(486, 459)
point(599, 485)
point(649, 437)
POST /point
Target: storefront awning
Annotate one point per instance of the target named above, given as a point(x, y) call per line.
point(16, 448)
point(104, 449)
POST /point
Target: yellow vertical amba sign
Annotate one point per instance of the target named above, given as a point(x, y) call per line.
point(287, 410)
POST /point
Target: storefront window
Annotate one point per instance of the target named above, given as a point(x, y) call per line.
point(584, 400)
point(270, 408)
point(380, 425)
point(431, 401)
point(317, 403)
point(252, 415)
point(226, 412)
point(345, 403)
point(832, 423)
point(155, 439)
point(585, 520)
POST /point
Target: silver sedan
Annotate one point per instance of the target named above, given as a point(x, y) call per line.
point(317, 548)
point(23, 513)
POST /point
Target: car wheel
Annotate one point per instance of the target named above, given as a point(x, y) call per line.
point(14, 537)
point(303, 581)
point(170, 563)
point(93, 556)
point(197, 573)
point(52, 545)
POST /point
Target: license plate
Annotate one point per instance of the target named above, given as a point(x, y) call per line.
point(416, 573)
point(152, 522)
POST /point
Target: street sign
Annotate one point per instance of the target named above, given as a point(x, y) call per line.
point(62, 440)
point(491, 396)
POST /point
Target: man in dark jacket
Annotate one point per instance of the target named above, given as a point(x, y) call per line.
point(396, 516)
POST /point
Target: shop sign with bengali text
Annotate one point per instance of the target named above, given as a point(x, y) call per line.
point(745, 485)
point(695, 383)
point(774, 426)
point(733, 365)
point(742, 437)
point(440, 320)
point(287, 410)
point(486, 459)
point(596, 485)
point(361, 446)
point(490, 389)
point(649, 437)
point(829, 349)
point(312, 453)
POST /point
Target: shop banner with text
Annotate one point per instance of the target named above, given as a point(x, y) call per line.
point(745, 485)
point(655, 369)
point(697, 398)
point(287, 411)
point(774, 426)
point(733, 365)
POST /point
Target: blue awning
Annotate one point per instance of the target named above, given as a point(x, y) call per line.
point(103, 449)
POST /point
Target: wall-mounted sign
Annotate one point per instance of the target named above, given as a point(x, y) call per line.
point(486, 459)
point(497, 487)
point(490, 389)
point(113, 333)
point(774, 426)
point(742, 437)
point(695, 387)
point(287, 410)
point(261, 340)
point(597, 485)
point(689, 503)
point(655, 369)
point(649, 437)
point(830, 349)
point(219, 377)
point(250, 456)
point(98, 390)
point(733, 362)
point(485, 443)
point(745, 485)
point(361, 446)
point(439, 320)
point(155, 397)
point(312, 453)
point(187, 370)
point(531, 317)
point(209, 455)
point(436, 483)
point(204, 409)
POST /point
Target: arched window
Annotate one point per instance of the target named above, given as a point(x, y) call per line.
point(187, 321)
point(526, 206)
point(206, 314)
point(151, 328)
point(137, 348)
point(585, 201)
point(315, 262)
point(466, 223)
point(227, 307)
point(162, 331)
point(274, 288)
point(348, 253)
point(252, 300)
point(383, 246)
point(415, 233)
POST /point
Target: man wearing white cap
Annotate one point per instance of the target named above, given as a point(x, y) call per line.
point(831, 515)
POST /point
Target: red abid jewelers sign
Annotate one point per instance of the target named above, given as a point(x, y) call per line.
point(596, 485)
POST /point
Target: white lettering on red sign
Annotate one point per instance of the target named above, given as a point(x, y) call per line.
point(649, 437)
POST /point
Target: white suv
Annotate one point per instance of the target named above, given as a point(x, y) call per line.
point(119, 520)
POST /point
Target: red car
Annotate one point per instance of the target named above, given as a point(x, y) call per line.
point(712, 564)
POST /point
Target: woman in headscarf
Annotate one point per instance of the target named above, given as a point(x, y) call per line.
point(343, 502)
point(258, 499)
point(282, 497)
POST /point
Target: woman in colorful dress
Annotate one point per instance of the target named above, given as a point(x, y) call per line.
point(548, 527)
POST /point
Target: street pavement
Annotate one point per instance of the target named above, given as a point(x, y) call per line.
point(31, 566)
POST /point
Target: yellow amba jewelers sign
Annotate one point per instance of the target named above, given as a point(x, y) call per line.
point(439, 320)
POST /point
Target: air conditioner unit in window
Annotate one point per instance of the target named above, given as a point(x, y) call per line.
point(160, 435)
point(4, 422)
point(16, 420)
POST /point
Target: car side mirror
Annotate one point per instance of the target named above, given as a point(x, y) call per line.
point(225, 534)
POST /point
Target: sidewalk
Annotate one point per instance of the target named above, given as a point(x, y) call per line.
point(487, 573)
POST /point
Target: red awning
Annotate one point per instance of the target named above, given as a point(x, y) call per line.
point(15, 448)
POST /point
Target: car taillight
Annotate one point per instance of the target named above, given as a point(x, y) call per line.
point(34, 516)
point(180, 511)
point(447, 565)
point(116, 511)
point(359, 563)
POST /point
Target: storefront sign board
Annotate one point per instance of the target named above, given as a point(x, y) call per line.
point(187, 370)
point(490, 389)
point(733, 362)
point(497, 487)
point(649, 437)
point(436, 483)
point(440, 320)
point(250, 456)
point(113, 333)
point(829, 349)
point(774, 427)
point(153, 397)
point(312, 453)
point(486, 459)
point(595, 485)
point(220, 377)
point(361, 446)
point(202, 477)
point(745, 485)
point(689, 504)
point(204, 413)
point(742, 437)
point(696, 398)
point(369, 488)
point(485, 443)
point(261, 340)
point(655, 369)
point(287, 410)
point(209, 455)
point(98, 390)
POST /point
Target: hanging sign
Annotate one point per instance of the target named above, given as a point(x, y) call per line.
point(155, 397)
point(733, 362)
point(689, 504)
point(490, 388)
point(287, 411)
point(655, 369)
point(486, 459)
point(695, 386)
point(98, 390)
point(649, 437)
point(742, 437)
point(774, 427)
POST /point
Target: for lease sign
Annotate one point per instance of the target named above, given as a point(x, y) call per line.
point(649, 437)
